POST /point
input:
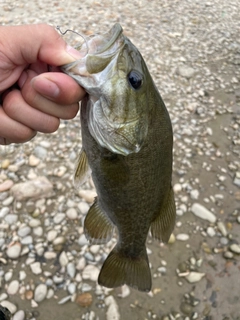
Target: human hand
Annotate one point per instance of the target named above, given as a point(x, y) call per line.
point(41, 98)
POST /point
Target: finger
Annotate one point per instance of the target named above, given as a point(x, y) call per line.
point(48, 45)
point(12, 131)
point(68, 92)
point(51, 107)
point(17, 109)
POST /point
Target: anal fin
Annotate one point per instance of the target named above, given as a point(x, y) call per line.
point(97, 226)
point(119, 269)
point(163, 225)
point(82, 171)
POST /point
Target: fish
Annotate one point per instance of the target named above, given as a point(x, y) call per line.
point(5, 314)
point(127, 143)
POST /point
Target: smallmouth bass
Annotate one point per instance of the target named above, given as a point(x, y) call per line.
point(127, 145)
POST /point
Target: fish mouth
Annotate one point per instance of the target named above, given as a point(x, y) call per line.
point(108, 39)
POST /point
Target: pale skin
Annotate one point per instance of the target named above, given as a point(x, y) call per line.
point(39, 98)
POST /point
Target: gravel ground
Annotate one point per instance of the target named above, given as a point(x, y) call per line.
point(47, 268)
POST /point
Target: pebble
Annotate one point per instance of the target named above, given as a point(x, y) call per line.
point(33, 161)
point(71, 269)
point(40, 292)
point(4, 211)
point(83, 207)
point(84, 299)
point(6, 185)
point(51, 235)
point(222, 228)
point(228, 255)
point(39, 187)
point(64, 300)
point(235, 248)
point(90, 272)
point(113, 310)
point(82, 241)
point(8, 201)
point(203, 213)
point(13, 252)
point(193, 277)
point(36, 267)
point(3, 296)
point(40, 152)
point(182, 236)
point(72, 214)
point(88, 195)
point(27, 240)
point(58, 218)
point(63, 259)
point(11, 218)
point(24, 231)
point(185, 71)
point(19, 315)
point(13, 287)
point(5, 164)
point(9, 305)
point(211, 232)
point(72, 288)
point(194, 194)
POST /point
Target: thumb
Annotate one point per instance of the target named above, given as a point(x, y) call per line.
point(37, 42)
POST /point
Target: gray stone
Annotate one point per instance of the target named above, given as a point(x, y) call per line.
point(39, 187)
point(40, 292)
point(185, 71)
point(203, 213)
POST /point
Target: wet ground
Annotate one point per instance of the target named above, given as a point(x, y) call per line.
point(193, 51)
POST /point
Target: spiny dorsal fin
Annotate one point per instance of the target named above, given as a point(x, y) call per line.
point(82, 171)
point(97, 226)
point(119, 269)
point(163, 225)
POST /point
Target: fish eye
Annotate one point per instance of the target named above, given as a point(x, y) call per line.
point(135, 79)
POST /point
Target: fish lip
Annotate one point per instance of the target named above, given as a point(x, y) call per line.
point(111, 36)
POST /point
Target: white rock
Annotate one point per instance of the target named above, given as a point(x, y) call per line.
point(177, 188)
point(235, 248)
point(39, 187)
point(52, 234)
point(182, 236)
point(38, 231)
point(72, 288)
point(88, 195)
point(112, 311)
point(90, 272)
point(203, 213)
point(13, 287)
point(50, 255)
point(22, 275)
point(36, 267)
point(64, 300)
point(59, 217)
point(194, 276)
point(3, 296)
point(185, 71)
point(83, 207)
point(8, 276)
point(63, 259)
point(71, 269)
point(82, 241)
point(4, 211)
point(27, 240)
point(19, 315)
point(33, 223)
point(72, 214)
point(50, 293)
point(24, 231)
point(222, 228)
point(211, 232)
point(14, 251)
point(125, 291)
point(9, 305)
point(33, 161)
point(11, 218)
point(40, 292)
point(194, 194)
point(94, 248)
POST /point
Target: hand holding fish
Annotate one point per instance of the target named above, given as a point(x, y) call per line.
point(32, 98)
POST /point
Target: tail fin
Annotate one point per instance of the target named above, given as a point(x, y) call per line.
point(119, 269)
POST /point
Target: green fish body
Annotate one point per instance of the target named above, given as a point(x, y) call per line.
point(127, 144)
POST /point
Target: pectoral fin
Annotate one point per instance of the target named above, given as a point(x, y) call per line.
point(97, 226)
point(82, 171)
point(163, 225)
